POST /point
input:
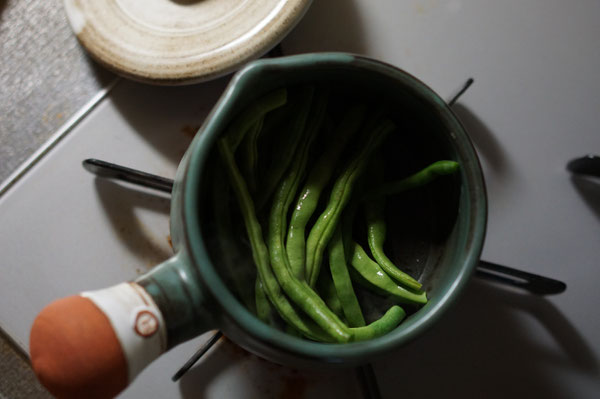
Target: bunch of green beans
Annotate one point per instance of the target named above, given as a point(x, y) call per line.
point(290, 246)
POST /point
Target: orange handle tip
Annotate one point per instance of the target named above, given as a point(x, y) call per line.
point(75, 352)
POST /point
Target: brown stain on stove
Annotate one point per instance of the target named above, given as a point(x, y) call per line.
point(127, 210)
point(234, 350)
point(149, 249)
point(293, 383)
point(190, 130)
point(425, 6)
point(294, 387)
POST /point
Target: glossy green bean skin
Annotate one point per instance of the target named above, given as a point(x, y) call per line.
point(313, 128)
point(367, 272)
point(299, 292)
point(376, 232)
point(390, 320)
point(325, 225)
point(260, 253)
point(370, 271)
point(283, 156)
point(248, 117)
point(421, 178)
point(376, 229)
point(342, 282)
point(319, 176)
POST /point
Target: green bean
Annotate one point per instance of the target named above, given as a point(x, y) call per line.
point(313, 128)
point(376, 231)
point(384, 325)
point(372, 272)
point(319, 176)
point(325, 225)
point(367, 272)
point(282, 157)
point(292, 331)
point(248, 121)
point(326, 289)
point(263, 309)
point(247, 118)
point(299, 292)
point(274, 133)
point(360, 280)
point(250, 153)
point(224, 226)
point(347, 228)
point(260, 253)
point(430, 173)
point(278, 118)
point(296, 170)
point(341, 280)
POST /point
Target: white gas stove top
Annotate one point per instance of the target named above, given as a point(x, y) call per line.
point(533, 107)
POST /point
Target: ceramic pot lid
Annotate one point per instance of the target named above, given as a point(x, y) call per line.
point(180, 41)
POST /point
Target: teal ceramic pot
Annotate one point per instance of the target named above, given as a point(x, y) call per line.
point(187, 294)
point(190, 292)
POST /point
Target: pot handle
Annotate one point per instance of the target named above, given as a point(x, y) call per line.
point(95, 343)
